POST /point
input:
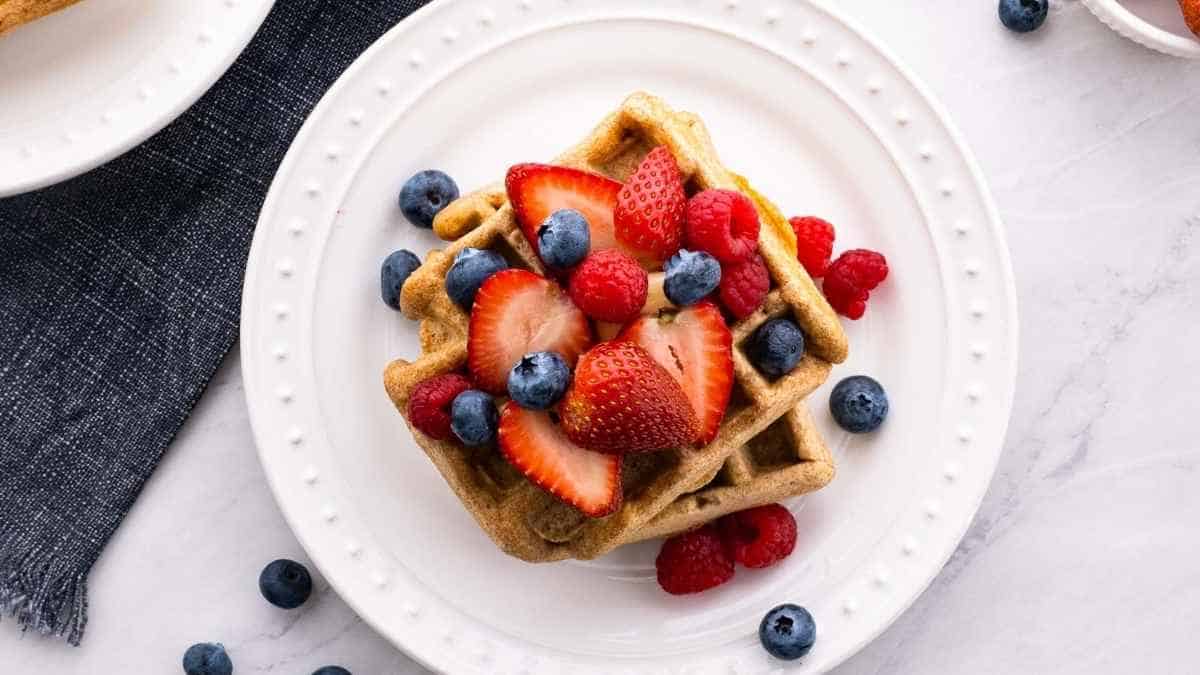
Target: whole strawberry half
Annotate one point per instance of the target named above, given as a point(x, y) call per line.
point(538, 190)
point(695, 346)
point(622, 400)
point(648, 217)
point(517, 312)
point(535, 445)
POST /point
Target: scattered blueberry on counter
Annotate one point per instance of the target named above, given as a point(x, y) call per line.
point(472, 267)
point(1023, 16)
point(539, 380)
point(859, 404)
point(207, 658)
point(690, 277)
point(787, 632)
point(474, 418)
point(776, 347)
point(285, 583)
point(564, 238)
point(331, 670)
point(396, 269)
point(425, 195)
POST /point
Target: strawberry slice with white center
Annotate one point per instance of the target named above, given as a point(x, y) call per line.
point(536, 446)
point(538, 190)
point(517, 312)
point(696, 347)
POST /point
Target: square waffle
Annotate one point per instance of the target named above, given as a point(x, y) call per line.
point(664, 491)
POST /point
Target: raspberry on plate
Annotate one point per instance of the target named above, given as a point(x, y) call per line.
point(648, 217)
point(430, 401)
point(744, 286)
point(814, 243)
point(693, 561)
point(722, 223)
point(759, 537)
point(609, 285)
point(851, 278)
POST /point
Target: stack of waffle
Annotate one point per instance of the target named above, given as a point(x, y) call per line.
point(767, 447)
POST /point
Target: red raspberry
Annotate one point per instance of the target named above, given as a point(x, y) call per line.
point(609, 285)
point(850, 279)
point(814, 243)
point(429, 404)
point(693, 561)
point(759, 537)
point(744, 285)
point(722, 223)
point(648, 217)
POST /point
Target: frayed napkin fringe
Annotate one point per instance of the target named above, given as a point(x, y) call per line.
point(41, 591)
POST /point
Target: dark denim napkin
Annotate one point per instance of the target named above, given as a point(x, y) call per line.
point(119, 296)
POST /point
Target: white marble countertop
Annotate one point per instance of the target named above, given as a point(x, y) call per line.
point(1083, 558)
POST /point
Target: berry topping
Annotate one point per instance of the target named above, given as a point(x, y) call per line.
point(814, 243)
point(691, 276)
point(722, 223)
point(787, 632)
point(744, 286)
point(472, 267)
point(1191, 14)
point(564, 238)
point(207, 658)
point(395, 270)
point(695, 346)
point(693, 561)
point(648, 217)
point(425, 195)
point(1023, 16)
point(285, 583)
point(474, 418)
point(776, 347)
point(759, 537)
point(532, 442)
point(539, 380)
point(623, 401)
point(859, 404)
point(538, 190)
point(518, 312)
point(851, 278)
point(429, 404)
point(609, 286)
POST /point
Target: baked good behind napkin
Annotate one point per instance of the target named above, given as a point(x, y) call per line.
point(119, 296)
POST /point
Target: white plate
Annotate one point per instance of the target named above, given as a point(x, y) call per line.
point(83, 85)
point(1157, 24)
point(822, 120)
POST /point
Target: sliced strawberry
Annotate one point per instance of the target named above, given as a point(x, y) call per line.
point(648, 217)
point(537, 190)
point(517, 312)
point(532, 442)
point(696, 347)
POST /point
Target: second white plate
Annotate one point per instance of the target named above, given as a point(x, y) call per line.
point(821, 120)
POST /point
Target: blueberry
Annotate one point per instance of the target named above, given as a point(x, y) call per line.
point(859, 404)
point(539, 380)
point(473, 417)
point(776, 347)
point(395, 271)
point(331, 670)
point(787, 632)
point(564, 238)
point(207, 658)
point(472, 267)
point(285, 583)
point(425, 195)
point(690, 277)
point(1023, 16)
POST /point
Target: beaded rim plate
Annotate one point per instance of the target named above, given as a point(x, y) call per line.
point(820, 119)
point(1160, 28)
point(91, 81)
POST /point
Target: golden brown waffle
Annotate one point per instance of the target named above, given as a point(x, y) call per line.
point(13, 13)
point(521, 518)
